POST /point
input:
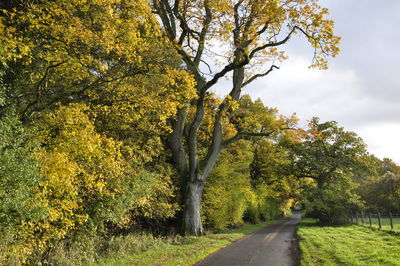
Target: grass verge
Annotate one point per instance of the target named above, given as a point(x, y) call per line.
point(347, 245)
point(174, 251)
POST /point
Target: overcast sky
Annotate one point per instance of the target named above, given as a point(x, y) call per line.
point(361, 88)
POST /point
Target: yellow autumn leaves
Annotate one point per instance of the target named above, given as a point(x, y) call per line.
point(81, 171)
point(116, 82)
point(100, 83)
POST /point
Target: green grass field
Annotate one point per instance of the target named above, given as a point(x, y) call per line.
point(347, 245)
point(178, 251)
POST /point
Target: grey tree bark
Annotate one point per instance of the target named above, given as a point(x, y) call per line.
point(191, 214)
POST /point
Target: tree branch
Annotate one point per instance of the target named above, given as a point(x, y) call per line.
point(298, 176)
point(224, 71)
point(247, 82)
point(192, 138)
point(241, 135)
point(236, 31)
point(166, 20)
point(263, 29)
point(176, 144)
point(273, 44)
point(39, 85)
point(203, 34)
point(171, 17)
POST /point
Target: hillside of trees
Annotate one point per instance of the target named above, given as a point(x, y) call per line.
point(108, 124)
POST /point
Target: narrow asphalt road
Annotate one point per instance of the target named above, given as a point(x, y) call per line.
point(273, 245)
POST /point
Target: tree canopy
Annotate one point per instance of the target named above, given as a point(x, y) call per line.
point(111, 123)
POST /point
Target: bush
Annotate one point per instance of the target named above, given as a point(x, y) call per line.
point(86, 181)
point(19, 178)
point(228, 191)
point(252, 215)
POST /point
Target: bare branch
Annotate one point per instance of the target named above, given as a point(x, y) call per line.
point(237, 23)
point(203, 34)
point(166, 19)
point(225, 70)
point(263, 29)
point(186, 30)
point(208, 66)
point(171, 17)
point(273, 44)
point(247, 82)
point(244, 134)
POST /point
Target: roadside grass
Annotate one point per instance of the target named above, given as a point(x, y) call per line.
point(346, 245)
point(129, 250)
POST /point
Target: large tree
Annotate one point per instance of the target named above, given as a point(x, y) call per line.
point(326, 150)
point(327, 159)
point(243, 36)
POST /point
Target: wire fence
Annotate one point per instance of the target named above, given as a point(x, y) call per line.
point(377, 220)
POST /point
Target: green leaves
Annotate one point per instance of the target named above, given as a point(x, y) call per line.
point(327, 159)
point(19, 179)
point(228, 192)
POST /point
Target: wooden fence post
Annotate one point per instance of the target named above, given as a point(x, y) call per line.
point(379, 220)
point(362, 218)
point(391, 221)
point(370, 221)
point(356, 218)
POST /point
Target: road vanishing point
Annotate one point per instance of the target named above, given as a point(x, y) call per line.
point(273, 245)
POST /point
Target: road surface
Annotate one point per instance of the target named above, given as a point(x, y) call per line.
point(273, 245)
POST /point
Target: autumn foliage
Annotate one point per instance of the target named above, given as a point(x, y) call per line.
point(107, 119)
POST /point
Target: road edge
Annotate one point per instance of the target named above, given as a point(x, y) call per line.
point(295, 247)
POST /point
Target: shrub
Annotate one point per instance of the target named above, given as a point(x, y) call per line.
point(86, 181)
point(228, 191)
point(19, 178)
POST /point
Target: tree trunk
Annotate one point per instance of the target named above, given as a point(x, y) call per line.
point(191, 212)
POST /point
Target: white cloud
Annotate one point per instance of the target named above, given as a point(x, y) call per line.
point(382, 139)
point(336, 94)
point(309, 92)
